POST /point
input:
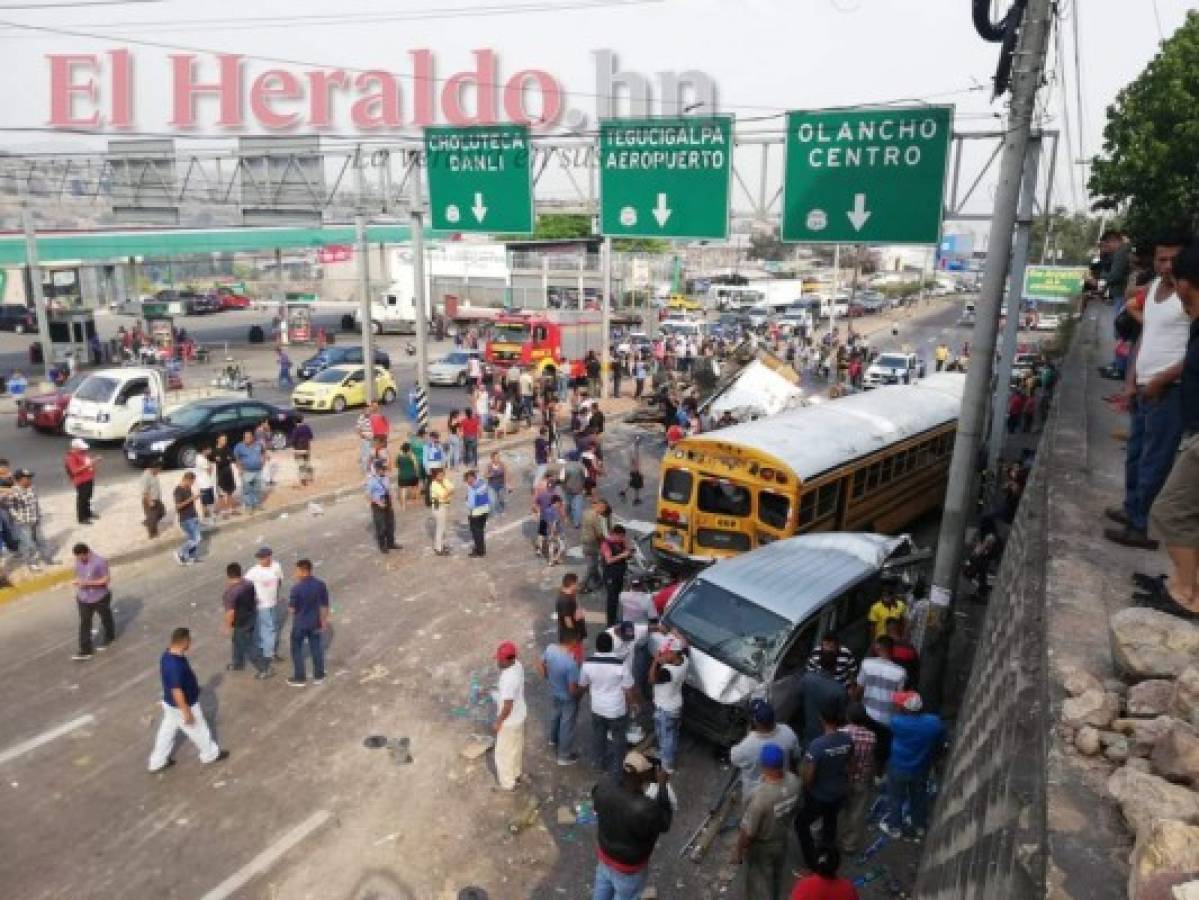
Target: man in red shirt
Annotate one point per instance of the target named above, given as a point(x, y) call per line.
point(469, 426)
point(380, 426)
point(81, 469)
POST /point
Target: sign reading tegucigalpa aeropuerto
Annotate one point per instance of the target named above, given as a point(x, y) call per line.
point(866, 176)
point(480, 178)
point(666, 177)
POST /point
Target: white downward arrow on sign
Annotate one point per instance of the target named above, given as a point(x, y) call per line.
point(858, 215)
point(662, 211)
point(479, 209)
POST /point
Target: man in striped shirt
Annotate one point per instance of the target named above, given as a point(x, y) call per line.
point(879, 679)
point(847, 663)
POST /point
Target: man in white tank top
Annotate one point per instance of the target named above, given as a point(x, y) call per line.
point(1156, 407)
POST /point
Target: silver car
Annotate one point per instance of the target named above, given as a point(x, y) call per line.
point(752, 621)
point(453, 368)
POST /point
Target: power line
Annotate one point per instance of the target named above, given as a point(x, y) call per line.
point(1157, 17)
point(75, 4)
point(368, 18)
point(1063, 97)
point(1082, 118)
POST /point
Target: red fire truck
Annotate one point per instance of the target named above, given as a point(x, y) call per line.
point(543, 338)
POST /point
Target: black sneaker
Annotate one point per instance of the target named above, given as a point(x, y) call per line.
point(264, 674)
point(229, 667)
point(1130, 537)
point(221, 757)
point(1117, 515)
point(294, 683)
point(319, 679)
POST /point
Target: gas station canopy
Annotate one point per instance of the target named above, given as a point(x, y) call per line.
point(154, 243)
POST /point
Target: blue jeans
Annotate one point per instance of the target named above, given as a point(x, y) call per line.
point(666, 727)
point(574, 507)
point(470, 451)
point(366, 447)
point(191, 546)
point(608, 742)
point(562, 725)
point(453, 446)
point(32, 544)
point(1152, 444)
point(613, 885)
point(910, 788)
point(313, 637)
point(499, 498)
point(251, 489)
point(269, 618)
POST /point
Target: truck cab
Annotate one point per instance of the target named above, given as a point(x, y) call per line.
point(394, 311)
point(109, 402)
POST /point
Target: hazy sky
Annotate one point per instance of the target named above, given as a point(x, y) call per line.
point(765, 55)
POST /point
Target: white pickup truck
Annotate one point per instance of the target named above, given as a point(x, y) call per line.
point(109, 402)
point(394, 311)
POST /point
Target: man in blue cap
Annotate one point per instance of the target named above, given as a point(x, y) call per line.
point(763, 730)
point(762, 838)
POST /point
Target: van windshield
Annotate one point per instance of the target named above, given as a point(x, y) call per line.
point(97, 389)
point(727, 627)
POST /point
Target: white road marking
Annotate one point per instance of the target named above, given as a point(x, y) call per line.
point(509, 526)
point(45, 737)
point(268, 857)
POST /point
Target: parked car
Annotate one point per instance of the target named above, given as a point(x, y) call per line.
point(48, 412)
point(337, 388)
point(230, 299)
point(753, 620)
point(17, 317)
point(872, 302)
point(453, 367)
point(177, 437)
point(894, 368)
point(348, 355)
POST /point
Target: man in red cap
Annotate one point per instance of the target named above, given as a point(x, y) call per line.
point(510, 722)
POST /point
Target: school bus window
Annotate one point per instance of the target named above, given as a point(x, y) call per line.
point(872, 476)
point(807, 509)
point(826, 500)
point(676, 486)
point(723, 498)
point(859, 483)
point(773, 509)
point(888, 470)
point(902, 462)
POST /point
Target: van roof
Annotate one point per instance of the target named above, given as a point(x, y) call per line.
point(794, 577)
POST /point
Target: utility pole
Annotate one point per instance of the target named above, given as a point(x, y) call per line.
point(606, 361)
point(362, 249)
point(1011, 330)
point(35, 286)
point(420, 301)
point(1029, 65)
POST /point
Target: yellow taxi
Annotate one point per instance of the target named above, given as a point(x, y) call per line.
point(678, 301)
point(338, 387)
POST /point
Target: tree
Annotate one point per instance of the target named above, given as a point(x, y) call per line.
point(1150, 154)
point(1072, 235)
point(568, 226)
point(765, 245)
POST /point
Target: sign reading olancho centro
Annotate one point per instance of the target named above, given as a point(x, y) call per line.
point(666, 177)
point(480, 178)
point(1053, 282)
point(866, 176)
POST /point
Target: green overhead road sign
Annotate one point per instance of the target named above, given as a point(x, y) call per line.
point(1053, 282)
point(866, 176)
point(480, 178)
point(665, 177)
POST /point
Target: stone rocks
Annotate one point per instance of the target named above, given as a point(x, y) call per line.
point(1144, 732)
point(1166, 847)
point(1185, 701)
point(1087, 740)
point(1077, 681)
point(1118, 750)
point(1138, 764)
point(1176, 756)
point(1145, 798)
point(1092, 707)
point(1151, 644)
point(1150, 698)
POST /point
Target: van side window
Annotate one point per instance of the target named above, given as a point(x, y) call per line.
point(135, 388)
point(801, 648)
point(853, 630)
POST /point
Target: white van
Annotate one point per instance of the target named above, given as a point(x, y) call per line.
point(689, 328)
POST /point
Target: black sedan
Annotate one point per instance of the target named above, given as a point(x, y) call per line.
point(348, 355)
point(177, 438)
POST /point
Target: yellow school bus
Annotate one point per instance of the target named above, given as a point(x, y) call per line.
point(868, 462)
